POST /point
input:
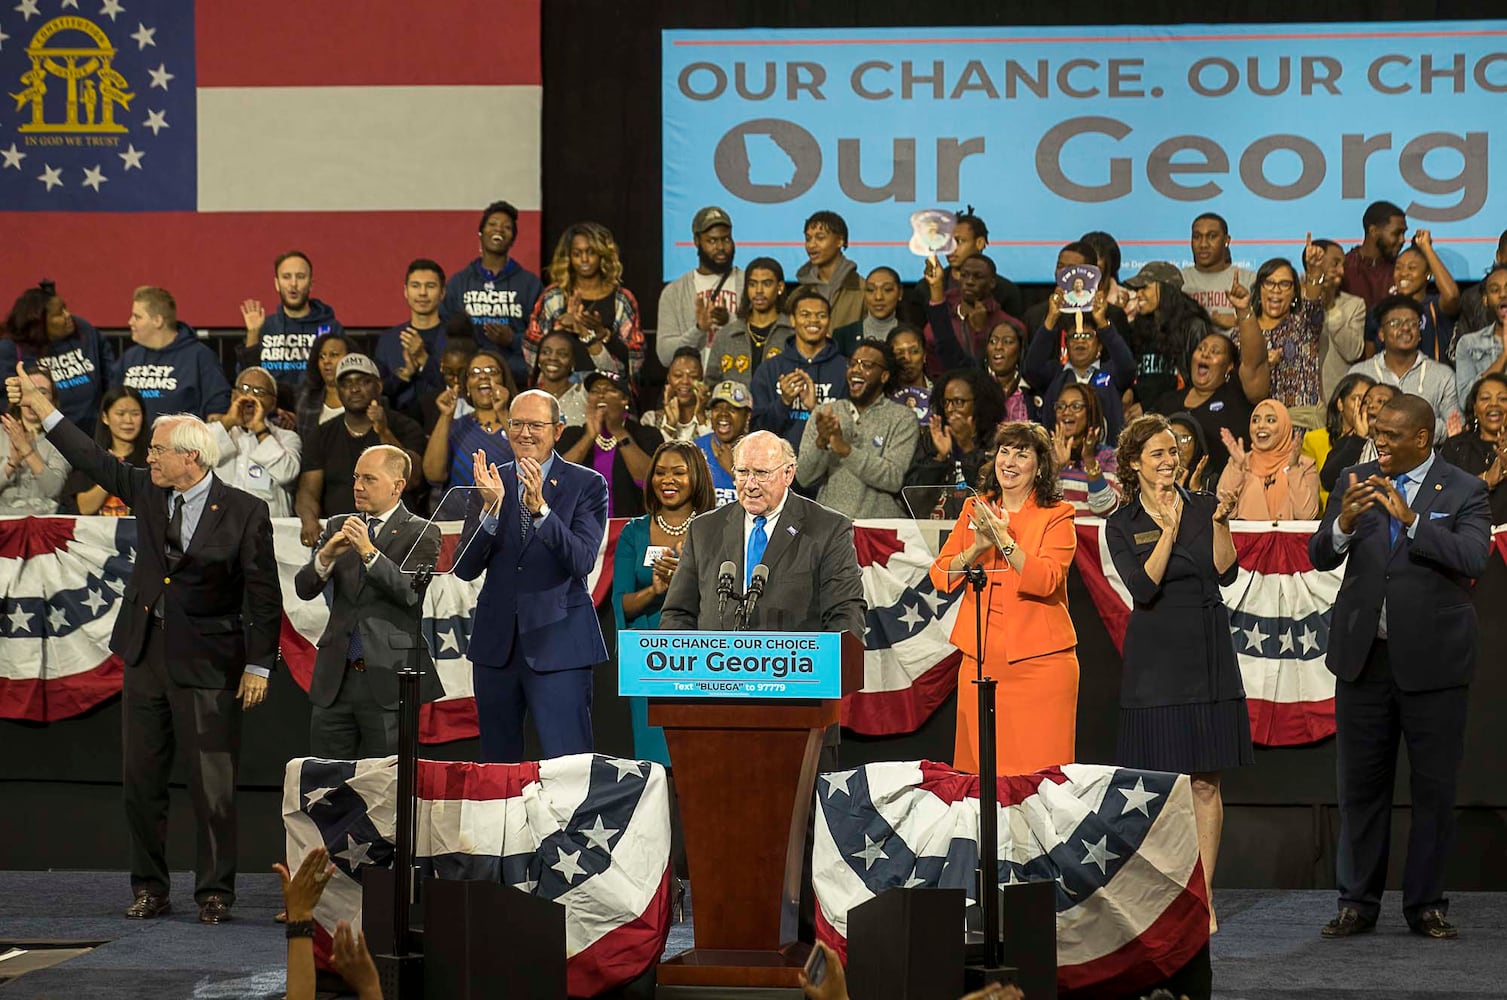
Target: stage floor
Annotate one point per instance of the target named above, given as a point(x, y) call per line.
point(1268, 945)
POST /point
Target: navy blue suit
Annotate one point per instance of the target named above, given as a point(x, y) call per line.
point(536, 637)
point(1413, 683)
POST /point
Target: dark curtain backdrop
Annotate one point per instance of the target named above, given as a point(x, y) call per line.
point(602, 85)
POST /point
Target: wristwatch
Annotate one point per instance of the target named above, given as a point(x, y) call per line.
point(543, 509)
point(299, 929)
point(1008, 549)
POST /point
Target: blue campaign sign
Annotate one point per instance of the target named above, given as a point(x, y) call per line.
point(730, 664)
point(1051, 132)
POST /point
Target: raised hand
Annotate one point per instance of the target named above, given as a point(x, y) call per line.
point(532, 474)
point(253, 315)
point(1234, 447)
point(1313, 257)
point(1090, 447)
point(377, 415)
point(669, 406)
point(1423, 239)
point(1358, 498)
point(1362, 420)
point(935, 279)
point(1192, 479)
point(1295, 452)
point(354, 962)
point(1062, 446)
point(1239, 295)
point(941, 435)
point(1454, 424)
point(1101, 308)
point(488, 481)
point(1054, 311)
point(301, 890)
point(444, 403)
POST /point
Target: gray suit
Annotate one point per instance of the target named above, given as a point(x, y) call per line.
point(351, 707)
point(814, 581)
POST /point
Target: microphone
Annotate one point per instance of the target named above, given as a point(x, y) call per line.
point(755, 591)
point(725, 576)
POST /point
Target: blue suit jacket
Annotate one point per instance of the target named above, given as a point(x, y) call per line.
point(1425, 580)
point(536, 592)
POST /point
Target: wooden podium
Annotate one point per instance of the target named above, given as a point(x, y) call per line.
point(745, 774)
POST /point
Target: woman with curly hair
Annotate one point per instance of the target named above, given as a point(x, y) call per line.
point(1020, 532)
point(587, 300)
point(1182, 704)
point(41, 331)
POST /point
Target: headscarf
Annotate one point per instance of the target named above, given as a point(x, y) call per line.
point(1270, 464)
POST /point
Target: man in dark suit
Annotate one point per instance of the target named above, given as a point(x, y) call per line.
point(535, 532)
point(814, 581)
point(1413, 532)
point(376, 615)
point(197, 629)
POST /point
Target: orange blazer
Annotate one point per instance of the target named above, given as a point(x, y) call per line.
point(1026, 612)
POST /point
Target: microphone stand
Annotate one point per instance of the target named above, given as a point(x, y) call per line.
point(986, 962)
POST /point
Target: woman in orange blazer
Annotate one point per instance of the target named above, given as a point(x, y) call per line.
point(1021, 532)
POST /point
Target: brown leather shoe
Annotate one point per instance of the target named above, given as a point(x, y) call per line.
point(1347, 923)
point(214, 910)
point(148, 906)
point(1431, 924)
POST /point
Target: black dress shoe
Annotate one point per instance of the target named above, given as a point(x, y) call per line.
point(148, 906)
point(1347, 923)
point(1431, 924)
point(214, 910)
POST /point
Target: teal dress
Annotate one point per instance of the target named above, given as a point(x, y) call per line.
point(628, 575)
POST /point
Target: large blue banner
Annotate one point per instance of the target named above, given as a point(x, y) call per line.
point(1050, 132)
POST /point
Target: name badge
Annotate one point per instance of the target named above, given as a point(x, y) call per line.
point(1142, 537)
point(653, 552)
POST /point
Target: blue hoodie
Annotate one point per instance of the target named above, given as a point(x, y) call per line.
point(81, 366)
point(285, 342)
point(487, 298)
point(829, 372)
point(183, 377)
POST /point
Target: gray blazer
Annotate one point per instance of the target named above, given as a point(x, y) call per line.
point(380, 601)
point(814, 581)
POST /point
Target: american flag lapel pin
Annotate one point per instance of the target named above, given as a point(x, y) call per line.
point(791, 528)
point(554, 482)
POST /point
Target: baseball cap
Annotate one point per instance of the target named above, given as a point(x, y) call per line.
point(1158, 271)
point(732, 391)
point(708, 217)
point(592, 378)
point(356, 363)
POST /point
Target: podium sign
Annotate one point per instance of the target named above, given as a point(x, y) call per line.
point(760, 665)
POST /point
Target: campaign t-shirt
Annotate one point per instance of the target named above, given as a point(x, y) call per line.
point(1212, 289)
point(722, 480)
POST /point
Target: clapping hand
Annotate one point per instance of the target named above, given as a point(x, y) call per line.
point(1295, 452)
point(338, 543)
point(991, 526)
point(354, 962)
point(378, 416)
point(1453, 424)
point(1228, 501)
point(941, 435)
point(301, 891)
point(1234, 447)
point(1170, 503)
point(20, 438)
point(532, 474)
point(1062, 446)
point(1192, 479)
point(353, 529)
point(664, 569)
point(488, 481)
point(1391, 499)
point(1358, 498)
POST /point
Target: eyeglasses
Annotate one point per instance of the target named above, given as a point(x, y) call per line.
point(865, 364)
point(759, 475)
point(158, 450)
point(256, 390)
point(1184, 438)
point(532, 426)
point(1085, 335)
point(1403, 324)
point(956, 404)
point(491, 370)
point(1283, 285)
point(1073, 406)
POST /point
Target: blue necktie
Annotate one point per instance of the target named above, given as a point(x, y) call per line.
point(757, 542)
point(355, 651)
point(1396, 525)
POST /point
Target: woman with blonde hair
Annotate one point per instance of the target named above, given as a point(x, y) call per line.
point(587, 300)
point(1020, 532)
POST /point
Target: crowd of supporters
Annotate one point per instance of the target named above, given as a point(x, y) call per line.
point(1272, 376)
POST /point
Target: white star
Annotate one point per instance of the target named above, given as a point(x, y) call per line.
point(51, 176)
point(527, 885)
point(1286, 640)
point(1065, 890)
point(625, 768)
point(111, 8)
point(26, 8)
point(1309, 639)
point(599, 836)
point(871, 853)
point(912, 617)
point(1254, 637)
point(449, 641)
point(69, 3)
point(355, 854)
point(94, 178)
point(1098, 853)
point(156, 121)
point(20, 621)
point(58, 619)
point(109, 586)
point(12, 156)
point(131, 157)
point(143, 36)
point(318, 795)
point(1137, 798)
point(160, 76)
point(94, 602)
point(3, 37)
point(933, 600)
point(568, 865)
point(914, 881)
point(838, 780)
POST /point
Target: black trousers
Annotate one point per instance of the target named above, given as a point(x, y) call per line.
point(1371, 716)
point(159, 718)
point(353, 726)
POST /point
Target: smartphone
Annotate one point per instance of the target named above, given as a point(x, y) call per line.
point(816, 966)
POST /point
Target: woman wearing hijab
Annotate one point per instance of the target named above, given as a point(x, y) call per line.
point(1275, 480)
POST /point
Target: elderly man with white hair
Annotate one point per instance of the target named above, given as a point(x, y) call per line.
point(197, 629)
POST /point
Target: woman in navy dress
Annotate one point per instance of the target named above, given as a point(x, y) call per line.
point(1182, 703)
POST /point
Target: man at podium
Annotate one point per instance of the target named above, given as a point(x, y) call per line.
point(811, 581)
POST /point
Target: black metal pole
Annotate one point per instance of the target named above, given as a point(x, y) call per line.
point(988, 895)
point(406, 830)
